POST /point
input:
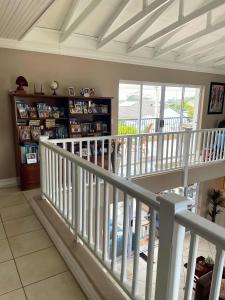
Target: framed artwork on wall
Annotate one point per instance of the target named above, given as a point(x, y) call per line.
point(216, 98)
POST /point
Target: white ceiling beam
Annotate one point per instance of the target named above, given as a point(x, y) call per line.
point(178, 24)
point(145, 3)
point(219, 62)
point(212, 55)
point(89, 9)
point(69, 15)
point(201, 50)
point(153, 7)
point(45, 6)
point(181, 9)
point(191, 38)
point(149, 23)
point(119, 9)
point(164, 40)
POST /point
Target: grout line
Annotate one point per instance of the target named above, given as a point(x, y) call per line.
point(21, 288)
point(66, 271)
point(25, 233)
point(35, 251)
point(34, 230)
point(15, 218)
point(14, 260)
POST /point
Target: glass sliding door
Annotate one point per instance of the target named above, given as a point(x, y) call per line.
point(191, 106)
point(129, 108)
point(150, 108)
point(172, 113)
point(145, 108)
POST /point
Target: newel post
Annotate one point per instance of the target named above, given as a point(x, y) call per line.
point(43, 163)
point(171, 238)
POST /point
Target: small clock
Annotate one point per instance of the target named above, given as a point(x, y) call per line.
point(54, 86)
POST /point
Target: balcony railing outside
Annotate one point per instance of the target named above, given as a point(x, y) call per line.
point(151, 125)
point(81, 193)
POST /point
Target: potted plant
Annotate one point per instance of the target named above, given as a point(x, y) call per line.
point(214, 201)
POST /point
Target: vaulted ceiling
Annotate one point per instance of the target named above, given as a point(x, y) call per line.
point(181, 34)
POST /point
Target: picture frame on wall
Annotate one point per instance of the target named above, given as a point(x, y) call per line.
point(216, 98)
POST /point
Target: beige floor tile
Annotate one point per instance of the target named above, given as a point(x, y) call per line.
point(22, 225)
point(9, 191)
point(15, 295)
point(40, 265)
point(60, 287)
point(9, 279)
point(11, 200)
point(2, 232)
point(29, 242)
point(17, 211)
point(5, 253)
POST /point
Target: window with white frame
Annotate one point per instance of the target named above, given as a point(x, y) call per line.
point(148, 107)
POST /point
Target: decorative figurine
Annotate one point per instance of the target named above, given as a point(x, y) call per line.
point(54, 86)
point(82, 91)
point(92, 92)
point(21, 82)
point(86, 92)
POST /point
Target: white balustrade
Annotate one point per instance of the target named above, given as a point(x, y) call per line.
point(96, 203)
point(140, 154)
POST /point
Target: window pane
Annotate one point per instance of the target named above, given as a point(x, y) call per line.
point(129, 108)
point(172, 110)
point(150, 110)
point(190, 107)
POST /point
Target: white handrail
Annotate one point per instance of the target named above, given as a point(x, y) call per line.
point(82, 192)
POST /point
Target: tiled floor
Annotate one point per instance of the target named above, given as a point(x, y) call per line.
point(30, 266)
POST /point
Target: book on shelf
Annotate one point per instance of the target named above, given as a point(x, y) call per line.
point(29, 153)
point(39, 110)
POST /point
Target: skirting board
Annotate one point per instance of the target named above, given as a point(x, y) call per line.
point(8, 182)
point(74, 267)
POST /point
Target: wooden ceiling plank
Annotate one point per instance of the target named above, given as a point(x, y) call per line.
point(42, 11)
point(7, 26)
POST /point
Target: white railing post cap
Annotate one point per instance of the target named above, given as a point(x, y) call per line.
point(173, 201)
point(43, 138)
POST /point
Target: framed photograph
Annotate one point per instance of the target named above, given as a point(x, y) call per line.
point(71, 91)
point(216, 98)
point(98, 126)
point(85, 127)
point(31, 158)
point(77, 109)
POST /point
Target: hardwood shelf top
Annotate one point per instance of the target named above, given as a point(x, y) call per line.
point(30, 119)
point(87, 114)
point(57, 96)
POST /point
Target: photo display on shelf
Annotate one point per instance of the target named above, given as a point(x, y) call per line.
point(87, 107)
point(34, 120)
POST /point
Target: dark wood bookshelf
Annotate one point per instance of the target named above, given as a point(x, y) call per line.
point(29, 174)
